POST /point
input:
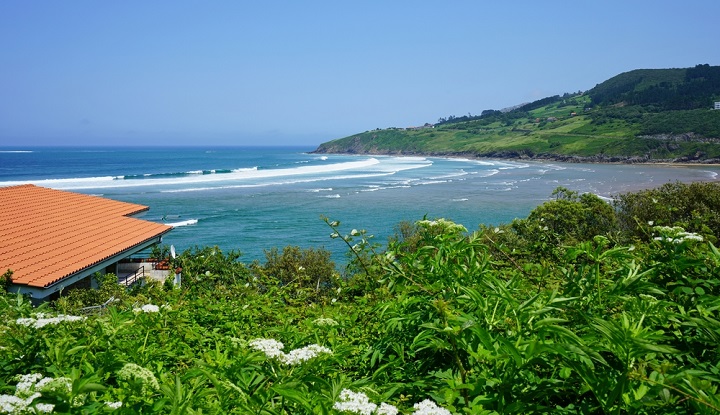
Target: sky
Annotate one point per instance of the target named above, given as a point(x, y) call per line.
point(237, 72)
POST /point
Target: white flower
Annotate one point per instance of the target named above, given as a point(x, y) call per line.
point(113, 405)
point(428, 407)
point(150, 308)
point(26, 321)
point(41, 321)
point(44, 407)
point(386, 409)
point(147, 308)
point(131, 371)
point(10, 404)
point(273, 349)
point(354, 232)
point(26, 391)
point(304, 354)
point(61, 385)
point(26, 384)
point(651, 223)
point(355, 402)
point(688, 236)
point(325, 321)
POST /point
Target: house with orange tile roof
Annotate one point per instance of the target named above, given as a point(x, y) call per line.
point(53, 239)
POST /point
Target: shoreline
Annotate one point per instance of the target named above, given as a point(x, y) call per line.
point(598, 159)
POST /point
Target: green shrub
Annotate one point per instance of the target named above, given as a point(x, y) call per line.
point(695, 207)
point(568, 219)
point(307, 272)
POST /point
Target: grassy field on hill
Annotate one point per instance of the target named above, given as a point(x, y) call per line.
point(644, 116)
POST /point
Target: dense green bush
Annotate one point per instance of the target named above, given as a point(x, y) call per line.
point(695, 207)
point(453, 322)
point(310, 272)
point(568, 219)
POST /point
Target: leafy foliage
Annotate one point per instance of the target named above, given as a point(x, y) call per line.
point(695, 207)
point(603, 318)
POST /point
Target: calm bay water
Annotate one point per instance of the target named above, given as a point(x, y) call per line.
point(252, 199)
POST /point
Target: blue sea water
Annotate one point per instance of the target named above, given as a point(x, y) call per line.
point(254, 198)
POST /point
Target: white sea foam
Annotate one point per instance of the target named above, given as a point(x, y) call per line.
point(450, 175)
point(15, 151)
point(488, 173)
point(184, 223)
point(462, 199)
point(335, 196)
point(247, 175)
point(276, 183)
point(484, 162)
point(605, 198)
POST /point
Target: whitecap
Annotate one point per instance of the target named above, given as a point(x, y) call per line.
point(246, 174)
point(184, 223)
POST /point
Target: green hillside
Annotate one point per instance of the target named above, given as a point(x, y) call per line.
point(643, 115)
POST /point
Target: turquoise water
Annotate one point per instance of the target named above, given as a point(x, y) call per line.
point(252, 199)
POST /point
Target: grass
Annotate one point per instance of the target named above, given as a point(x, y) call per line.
point(549, 131)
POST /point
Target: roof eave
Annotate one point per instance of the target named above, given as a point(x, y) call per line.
point(40, 292)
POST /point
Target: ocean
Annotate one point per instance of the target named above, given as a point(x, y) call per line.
point(254, 198)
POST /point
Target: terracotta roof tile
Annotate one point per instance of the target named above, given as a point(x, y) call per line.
point(47, 235)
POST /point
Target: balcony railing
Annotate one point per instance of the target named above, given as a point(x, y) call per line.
point(131, 279)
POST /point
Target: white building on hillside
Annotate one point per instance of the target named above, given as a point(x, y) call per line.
point(717, 105)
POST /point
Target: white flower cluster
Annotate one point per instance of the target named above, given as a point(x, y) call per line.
point(447, 225)
point(428, 407)
point(133, 372)
point(273, 349)
point(359, 403)
point(147, 308)
point(355, 402)
point(27, 390)
point(41, 320)
point(675, 234)
point(325, 321)
point(304, 354)
point(113, 405)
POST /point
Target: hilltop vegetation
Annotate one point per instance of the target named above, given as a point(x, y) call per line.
point(580, 308)
point(639, 116)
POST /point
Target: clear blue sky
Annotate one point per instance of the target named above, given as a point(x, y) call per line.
point(303, 72)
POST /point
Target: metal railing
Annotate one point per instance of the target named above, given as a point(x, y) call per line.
point(97, 308)
point(132, 279)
